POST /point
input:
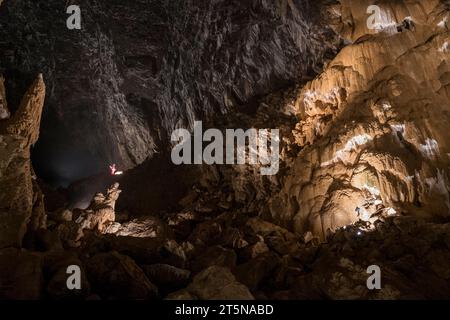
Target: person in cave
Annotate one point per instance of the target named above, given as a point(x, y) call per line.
point(113, 169)
point(358, 212)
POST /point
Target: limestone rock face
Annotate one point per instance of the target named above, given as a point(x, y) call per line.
point(373, 127)
point(18, 196)
point(214, 283)
point(117, 93)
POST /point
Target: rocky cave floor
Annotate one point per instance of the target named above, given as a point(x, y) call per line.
point(212, 250)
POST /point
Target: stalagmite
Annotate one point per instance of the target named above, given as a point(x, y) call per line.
point(17, 135)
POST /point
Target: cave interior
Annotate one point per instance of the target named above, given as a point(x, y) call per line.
point(355, 97)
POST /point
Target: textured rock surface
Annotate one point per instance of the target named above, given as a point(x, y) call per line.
point(215, 283)
point(136, 70)
point(24, 280)
point(4, 111)
point(166, 277)
point(407, 255)
point(101, 212)
point(55, 271)
point(117, 276)
point(18, 198)
point(373, 125)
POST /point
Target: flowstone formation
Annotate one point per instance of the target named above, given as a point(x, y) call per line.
point(373, 127)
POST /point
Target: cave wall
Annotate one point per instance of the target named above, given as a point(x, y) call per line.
point(137, 70)
point(373, 127)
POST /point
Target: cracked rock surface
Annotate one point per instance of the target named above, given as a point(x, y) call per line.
point(137, 70)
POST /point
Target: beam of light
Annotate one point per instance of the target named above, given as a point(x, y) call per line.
point(113, 170)
point(391, 212)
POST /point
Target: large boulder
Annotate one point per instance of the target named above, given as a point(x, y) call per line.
point(70, 234)
point(116, 276)
point(21, 275)
point(206, 233)
point(214, 256)
point(214, 283)
point(166, 277)
point(148, 227)
point(56, 267)
point(256, 270)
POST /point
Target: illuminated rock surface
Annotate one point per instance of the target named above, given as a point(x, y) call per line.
point(373, 126)
point(19, 194)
